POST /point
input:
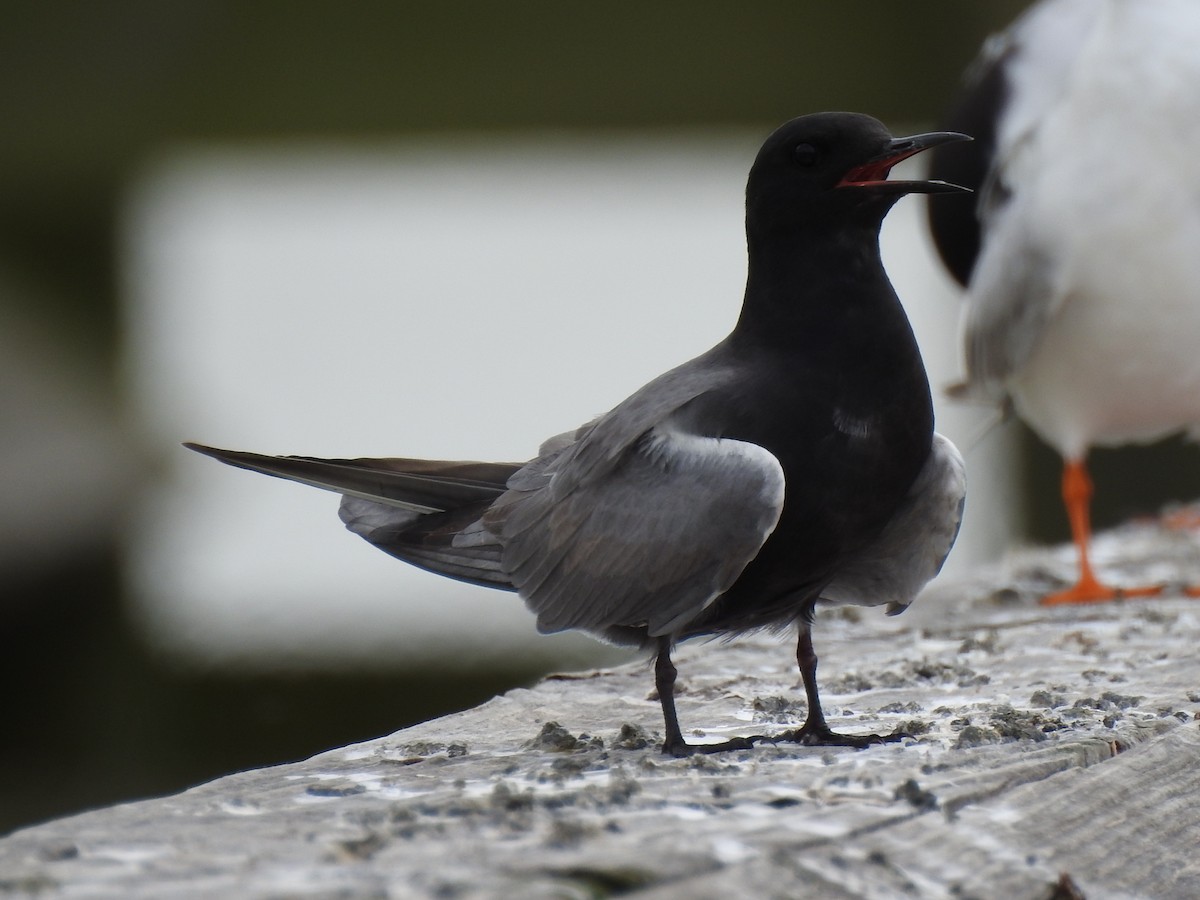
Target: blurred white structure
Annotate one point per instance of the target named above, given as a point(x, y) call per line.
point(448, 300)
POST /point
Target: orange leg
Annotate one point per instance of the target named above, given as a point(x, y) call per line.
point(1077, 497)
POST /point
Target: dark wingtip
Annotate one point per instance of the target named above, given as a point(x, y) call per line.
point(214, 452)
point(238, 458)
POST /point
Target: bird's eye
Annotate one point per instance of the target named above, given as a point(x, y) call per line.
point(805, 154)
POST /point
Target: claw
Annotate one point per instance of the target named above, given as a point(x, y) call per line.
point(681, 749)
point(821, 735)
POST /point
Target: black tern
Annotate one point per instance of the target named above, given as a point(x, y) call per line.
point(1079, 250)
point(793, 463)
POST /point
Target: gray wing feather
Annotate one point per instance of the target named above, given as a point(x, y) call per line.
point(916, 541)
point(666, 528)
point(377, 522)
point(600, 444)
point(400, 532)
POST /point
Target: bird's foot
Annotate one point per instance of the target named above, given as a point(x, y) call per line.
point(1186, 518)
point(1089, 590)
point(819, 734)
point(809, 735)
point(681, 748)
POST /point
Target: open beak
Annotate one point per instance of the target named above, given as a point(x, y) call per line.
point(873, 174)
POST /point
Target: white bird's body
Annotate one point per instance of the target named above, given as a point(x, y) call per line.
point(1083, 306)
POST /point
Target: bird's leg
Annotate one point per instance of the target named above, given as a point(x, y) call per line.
point(664, 681)
point(1077, 497)
point(673, 743)
point(816, 731)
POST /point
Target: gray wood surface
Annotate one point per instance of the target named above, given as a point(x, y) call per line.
point(1055, 741)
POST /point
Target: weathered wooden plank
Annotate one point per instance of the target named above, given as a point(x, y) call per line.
point(1060, 740)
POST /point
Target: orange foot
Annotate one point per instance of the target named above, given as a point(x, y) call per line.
point(1184, 519)
point(1089, 590)
point(1077, 495)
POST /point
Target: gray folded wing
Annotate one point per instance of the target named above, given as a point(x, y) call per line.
point(914, 544)
point(631, 522)
point(647, 539)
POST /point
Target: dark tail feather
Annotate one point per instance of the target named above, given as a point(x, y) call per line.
point(423, 486)
point(413, 509)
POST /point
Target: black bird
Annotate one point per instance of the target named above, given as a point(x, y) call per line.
point(1079, 251)
point(794, 462)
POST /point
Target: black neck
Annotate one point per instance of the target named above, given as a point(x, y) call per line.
point(801, 281)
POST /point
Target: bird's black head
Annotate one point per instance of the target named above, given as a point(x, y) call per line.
point(829, 170)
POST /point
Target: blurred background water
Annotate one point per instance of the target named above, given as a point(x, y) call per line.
point(444, 230)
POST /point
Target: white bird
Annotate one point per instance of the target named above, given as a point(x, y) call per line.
point(1081, 250)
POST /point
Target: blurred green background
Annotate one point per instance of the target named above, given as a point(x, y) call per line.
point(89, 92)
